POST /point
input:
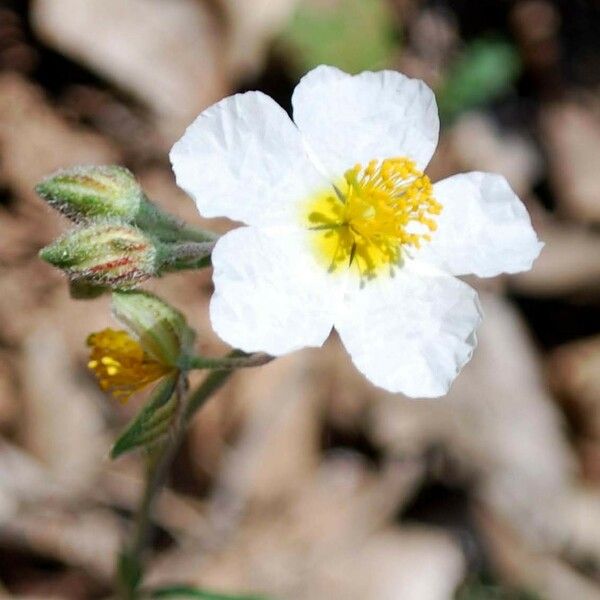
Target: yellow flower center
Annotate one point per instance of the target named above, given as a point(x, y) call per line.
point(121, 365)
point(374, 213)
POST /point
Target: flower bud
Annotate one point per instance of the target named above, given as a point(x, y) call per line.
point(86, 193)
point(109, 254)
point(161, 330)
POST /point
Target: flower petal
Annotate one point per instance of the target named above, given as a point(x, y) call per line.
point(270, 293)
point(352, 119)
point(243, 158)
point(411, 333)
point(484, 228)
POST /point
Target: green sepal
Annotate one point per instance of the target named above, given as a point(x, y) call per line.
point(152, 422)
point(87, 193)
point(108, 253)
point(161, 329)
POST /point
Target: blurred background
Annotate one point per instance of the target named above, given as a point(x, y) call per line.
point(300, 480)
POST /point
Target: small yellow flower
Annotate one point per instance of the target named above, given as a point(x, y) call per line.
point(121, 364)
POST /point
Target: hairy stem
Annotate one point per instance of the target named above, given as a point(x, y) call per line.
point(181, 256)
point(168, 227)
point(129, 573)
point(157, 472)
point(191, 250)
point(228, 362)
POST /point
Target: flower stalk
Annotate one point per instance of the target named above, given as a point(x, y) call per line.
point(158, 469)
point(129, 573)
point(238, 361)
point(167, 227)
point(185, 255)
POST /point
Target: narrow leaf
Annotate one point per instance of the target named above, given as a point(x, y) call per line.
point(183, 591)
point(130, 571)
point(152, 422)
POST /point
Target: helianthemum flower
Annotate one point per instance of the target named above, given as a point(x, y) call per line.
point(125, 362)
point(121, 365)
point(344, 229)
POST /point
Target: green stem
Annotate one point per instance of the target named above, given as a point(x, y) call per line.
point(130, 568)
point(133, 555)
point(237, 361)
point(209, 386)
point(168, 227)
point(184, 255)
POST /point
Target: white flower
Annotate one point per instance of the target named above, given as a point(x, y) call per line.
point(344, 230)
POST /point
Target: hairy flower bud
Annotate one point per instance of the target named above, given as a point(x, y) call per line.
point(97, 193)
point(161, 330)
point(109, 254)
point(92, 192)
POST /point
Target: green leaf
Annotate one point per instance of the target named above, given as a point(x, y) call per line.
point(183, 591)
point(486, 69)
point(475, 588)
point(129, 571)
point(152, 422)
point(354, 35)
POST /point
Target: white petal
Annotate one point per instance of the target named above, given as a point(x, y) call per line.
point(484, 228)
point(352, 119)
point(243, 158)
point(411, 333)
point(270, 293)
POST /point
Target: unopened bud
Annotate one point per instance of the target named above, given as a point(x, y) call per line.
point(109, 254)
point(161, 329)
point(86, 193)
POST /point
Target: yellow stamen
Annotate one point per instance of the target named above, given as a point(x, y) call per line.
point(121, 365)
point(380, 210)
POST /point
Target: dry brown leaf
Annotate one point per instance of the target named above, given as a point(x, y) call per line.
point(24, 481)
point(480, 145)
point(568, 263)
point(287, 549)
point(278, 446)
point(574, 372)
point(413, 563)
point(251, 32)
point(88, 539)
point(166, 54)
point(35, 140)
point(550, 577)
point(571, 133)
point(500, 423)
point(122, 486)
point(9, 394)
point(63, 424)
